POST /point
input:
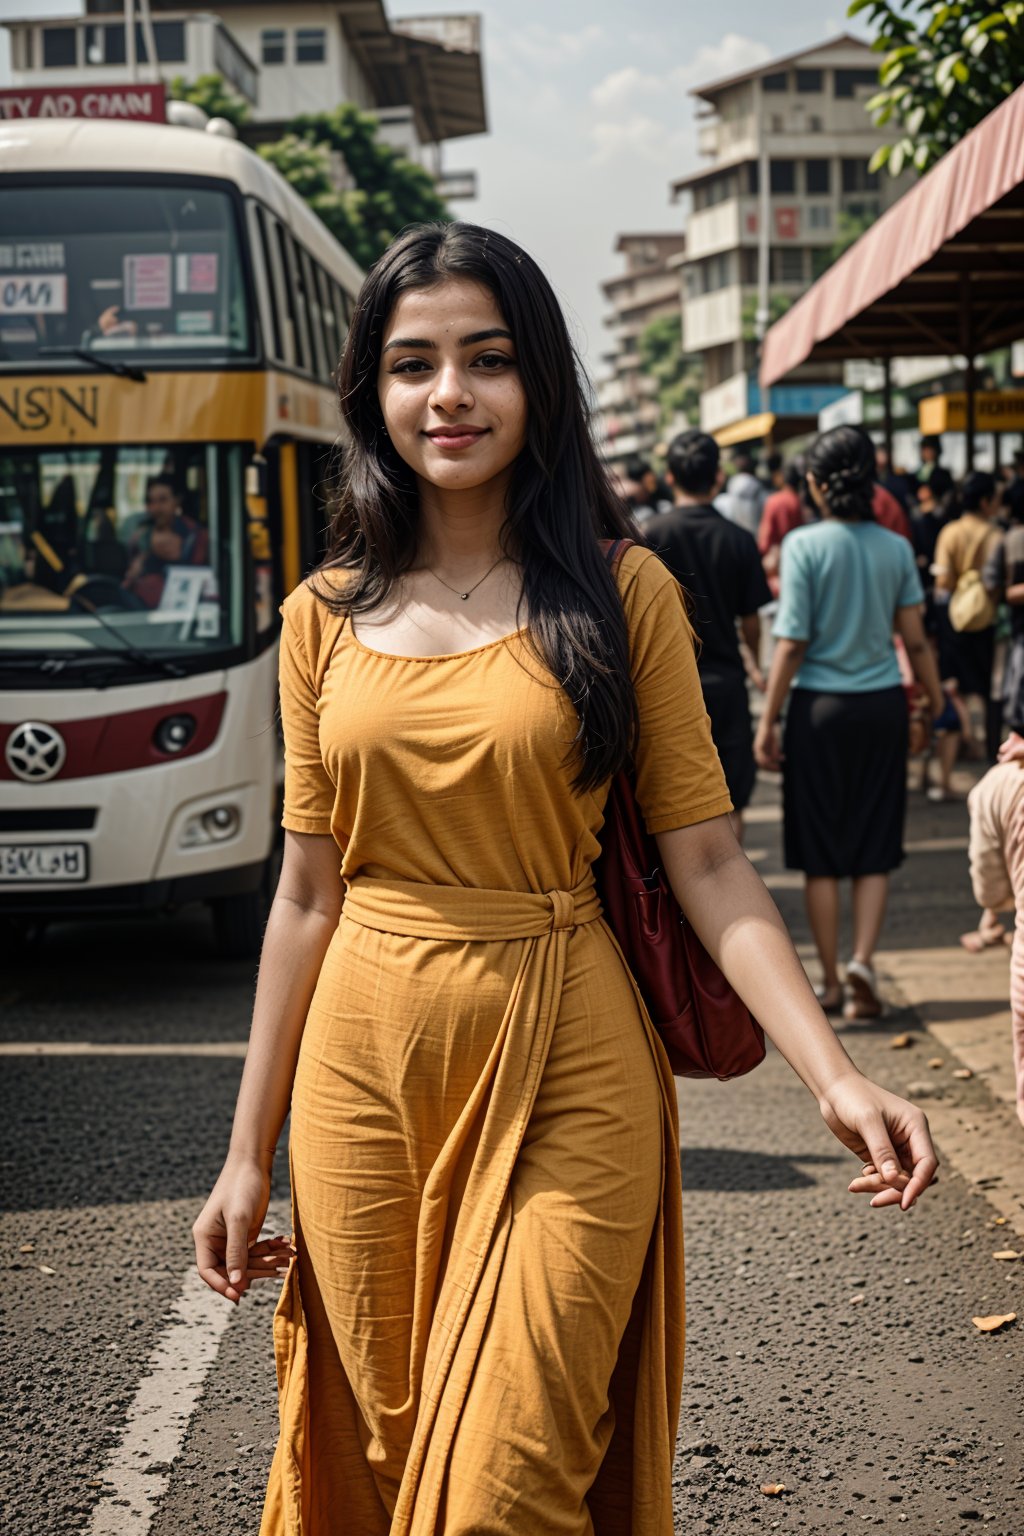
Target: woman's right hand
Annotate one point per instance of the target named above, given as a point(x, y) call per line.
point(767, 746)
point(228, 1255)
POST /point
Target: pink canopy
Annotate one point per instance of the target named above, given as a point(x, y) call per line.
point(942, 272)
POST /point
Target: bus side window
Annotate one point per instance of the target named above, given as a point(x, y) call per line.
point(343, 310)
point(332, 345)
point(264, 284)
point(317, 357)
point(296, 317)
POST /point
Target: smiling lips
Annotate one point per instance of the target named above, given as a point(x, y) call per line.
point(456, 438)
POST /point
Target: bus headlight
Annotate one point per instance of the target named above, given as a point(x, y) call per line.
point(216, 825)
point(174, 733)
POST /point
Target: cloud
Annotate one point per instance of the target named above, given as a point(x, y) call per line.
point(619, 89)
point(638, 137)
point(717, 61)
point(542, 48)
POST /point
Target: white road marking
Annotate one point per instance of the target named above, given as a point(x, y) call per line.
point(137, 1474)
point(101, 1048)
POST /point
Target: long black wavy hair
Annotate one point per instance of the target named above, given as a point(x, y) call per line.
point(560, 500)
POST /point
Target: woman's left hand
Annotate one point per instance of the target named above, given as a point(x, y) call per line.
point(890, 1136)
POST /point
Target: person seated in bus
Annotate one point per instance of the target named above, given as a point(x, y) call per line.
point(165, 537)
point(103, 553)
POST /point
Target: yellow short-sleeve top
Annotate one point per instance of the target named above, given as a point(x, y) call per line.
point(456, 770)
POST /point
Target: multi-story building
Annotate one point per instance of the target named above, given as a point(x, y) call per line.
point(647, 290)
point(421, 76)
point(788, 144)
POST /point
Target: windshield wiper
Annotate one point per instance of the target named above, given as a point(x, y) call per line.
point(97, 360)
point(124, 645)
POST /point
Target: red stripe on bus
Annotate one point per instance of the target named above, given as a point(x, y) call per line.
point(120, 743)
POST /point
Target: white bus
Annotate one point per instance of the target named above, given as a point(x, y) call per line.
point(171, 314)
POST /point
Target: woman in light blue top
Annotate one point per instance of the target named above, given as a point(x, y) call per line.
point(846, 584)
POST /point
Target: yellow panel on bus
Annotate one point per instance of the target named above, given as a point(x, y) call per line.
point(207, 406)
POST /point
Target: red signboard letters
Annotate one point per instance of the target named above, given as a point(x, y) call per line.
point(787, 223)
point(131, 101)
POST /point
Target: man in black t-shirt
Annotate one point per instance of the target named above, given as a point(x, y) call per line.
point(718, 564)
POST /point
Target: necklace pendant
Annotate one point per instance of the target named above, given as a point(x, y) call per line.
point(464, 595)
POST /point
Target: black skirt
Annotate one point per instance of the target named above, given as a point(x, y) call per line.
point(845, 782)
point(966, 655)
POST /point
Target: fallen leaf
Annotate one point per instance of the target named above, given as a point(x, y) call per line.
point(44, 1269)
point(856, 1300)
point(900, 1042)
point(963, 1072)
point(27, 1248)
point(773, 1489)
point(991, 1324)
point(1007, 1253)
point(935, 1062)
point(999, 1221)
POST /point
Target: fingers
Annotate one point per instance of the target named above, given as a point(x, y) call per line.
point(881, 1151)
point(236, 1255)
point(266, 1259)
point(922, 1159)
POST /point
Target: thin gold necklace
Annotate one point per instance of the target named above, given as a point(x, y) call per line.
point(469, 593)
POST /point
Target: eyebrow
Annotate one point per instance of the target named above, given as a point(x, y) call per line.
point(419, 344)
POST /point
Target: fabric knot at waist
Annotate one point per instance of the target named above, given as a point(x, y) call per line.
point(463, 912)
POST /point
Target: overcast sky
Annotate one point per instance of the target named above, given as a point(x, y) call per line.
point(591, 117)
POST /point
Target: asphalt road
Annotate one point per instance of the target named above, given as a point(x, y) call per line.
point(830, 1347)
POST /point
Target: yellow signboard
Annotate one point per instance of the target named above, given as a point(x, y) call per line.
point(63, 409)
point(994, 411)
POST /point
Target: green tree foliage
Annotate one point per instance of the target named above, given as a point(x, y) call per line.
point(389, 191)
point(677, 374)
point(851, 227)
point(944, 68)
point(778, 303)
point(380, 190)
point(215, 98)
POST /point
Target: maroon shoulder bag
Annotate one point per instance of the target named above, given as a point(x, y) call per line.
point(706, 1029)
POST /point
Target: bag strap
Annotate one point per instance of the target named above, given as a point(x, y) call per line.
point(976, 551)
point(614, 549)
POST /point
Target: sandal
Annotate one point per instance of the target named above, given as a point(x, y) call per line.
point(863, 983)
point(978, 939)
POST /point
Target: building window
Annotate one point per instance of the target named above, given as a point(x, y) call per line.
point(821, 260)
point(272, 45)
point(849, 81)
point(810, 82)
point(819, 216)
point(789, 264)
point(779, 82)
point(753, 178)
point(778, 123)
point(815, 124)
point(819, 178)
point(59, 50)
point(783, 176)
point(310, 45)
point(105, 45)
point(857, 177)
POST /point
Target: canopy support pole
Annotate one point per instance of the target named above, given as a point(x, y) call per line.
point(887, 407)
point(971, 376)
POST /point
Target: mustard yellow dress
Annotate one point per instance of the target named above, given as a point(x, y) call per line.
point(482, 1334)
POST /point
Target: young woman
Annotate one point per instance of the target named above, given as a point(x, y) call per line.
point(847, 584)
point(481, 1330)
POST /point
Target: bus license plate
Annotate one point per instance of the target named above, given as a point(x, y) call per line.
point(40, 862)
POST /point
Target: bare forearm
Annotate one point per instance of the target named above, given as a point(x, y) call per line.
point(922, 663)
point(785, 666)
point(756, 955)
point(293, 951)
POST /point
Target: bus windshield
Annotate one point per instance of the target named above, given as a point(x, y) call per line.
point(119, 268)
point(118, 547)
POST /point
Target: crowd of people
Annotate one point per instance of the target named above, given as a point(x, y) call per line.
point(895, 603)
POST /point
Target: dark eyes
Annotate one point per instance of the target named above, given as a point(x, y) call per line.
point(488, 362)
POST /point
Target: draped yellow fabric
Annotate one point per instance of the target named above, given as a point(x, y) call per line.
point(482, 1332)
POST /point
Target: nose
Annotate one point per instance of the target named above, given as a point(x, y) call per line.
point(451, 391)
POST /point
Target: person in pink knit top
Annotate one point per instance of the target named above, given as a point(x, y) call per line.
point(996, 807)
